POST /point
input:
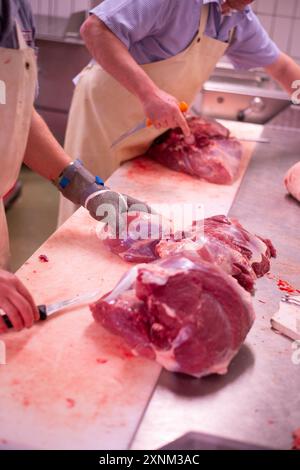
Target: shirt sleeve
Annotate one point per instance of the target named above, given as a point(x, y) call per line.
point(133, 20)
point(252, 47)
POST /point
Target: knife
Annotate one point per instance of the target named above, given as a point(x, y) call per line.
point(46, 311)
point(142, 125)
point(258, 140)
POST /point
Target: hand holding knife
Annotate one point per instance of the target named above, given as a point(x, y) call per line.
point(144, 124)
point(46, 311)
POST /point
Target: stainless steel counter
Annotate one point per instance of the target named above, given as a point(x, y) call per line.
point(258, 401)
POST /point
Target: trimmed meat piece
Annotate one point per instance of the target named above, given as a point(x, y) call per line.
point(214, 156)
point(187, 314)
point(137, 243)
point(225, 243)
point(229, 245)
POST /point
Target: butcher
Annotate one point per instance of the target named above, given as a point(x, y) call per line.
point(150, 55)
point(24, 137)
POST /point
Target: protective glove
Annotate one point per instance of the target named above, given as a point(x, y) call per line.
point(78, 185)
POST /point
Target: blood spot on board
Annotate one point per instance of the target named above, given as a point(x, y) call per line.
point(296, 441)
point(15, 382)
point(270, 276)
point(26, 402)
point(34, 271)
point(70, 402)
point(101, 361)
point(44, 259)
point(3, 441)
point(285, 286)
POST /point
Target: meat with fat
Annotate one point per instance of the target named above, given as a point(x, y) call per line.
point(224, 242)
point(185, 313)
point(214, 156)
point(137, 243)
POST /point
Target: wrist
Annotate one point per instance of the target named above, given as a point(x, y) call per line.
point(76, 183)
point(147, 92)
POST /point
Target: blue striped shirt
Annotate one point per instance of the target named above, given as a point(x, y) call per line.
point(155, 30)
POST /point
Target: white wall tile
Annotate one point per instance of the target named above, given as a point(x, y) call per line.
point(266, 21)
point(34, 5)
point(282, 30)
point(282, 27)
point(265, 6)
point(286, 7)
point(295, 45)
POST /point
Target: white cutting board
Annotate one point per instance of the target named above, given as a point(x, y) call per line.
point(287, 320)
point(68, 384)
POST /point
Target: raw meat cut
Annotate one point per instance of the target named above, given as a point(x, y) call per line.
point(137, 243)
point(214, 156)
point(292, 181)
point(227, 244)
point(186, 314)
point(224, 242)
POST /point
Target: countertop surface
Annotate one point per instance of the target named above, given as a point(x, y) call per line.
point(258, 401)
point(68, 383)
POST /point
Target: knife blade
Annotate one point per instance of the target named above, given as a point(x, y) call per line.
point(258, 140)
point(142, 125)
point(46, 311)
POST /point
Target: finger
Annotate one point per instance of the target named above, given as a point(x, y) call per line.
point(182, 123)
point(13, 314)
point(25, 293)
point(25, 309)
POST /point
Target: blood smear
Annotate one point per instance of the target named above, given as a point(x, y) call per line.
point(287, 287)
point(296, 442)
point(70, 402)
point(43, 259)
point(101, 361)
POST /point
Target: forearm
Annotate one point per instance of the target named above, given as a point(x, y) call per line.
point(115, 59)
point(285, 71)
point(43, 153)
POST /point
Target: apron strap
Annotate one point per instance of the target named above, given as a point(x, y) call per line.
point(203, 23)
point(21, 40)
point(203, 19)
point(231, 35)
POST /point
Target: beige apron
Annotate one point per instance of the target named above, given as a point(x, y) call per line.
point(102, 109)
point(18, 78)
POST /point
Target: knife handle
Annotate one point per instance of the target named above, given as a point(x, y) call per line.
point(182, 106)
point(42, 311)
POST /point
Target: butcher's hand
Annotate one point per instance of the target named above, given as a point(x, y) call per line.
point(78, 185)
point(164, 112)
point(292, 181)
point(16, 302)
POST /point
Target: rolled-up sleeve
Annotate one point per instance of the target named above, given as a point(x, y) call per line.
point(252, 47)
point(131, 20)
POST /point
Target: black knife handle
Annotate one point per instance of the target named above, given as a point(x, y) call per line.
point(42, 311)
